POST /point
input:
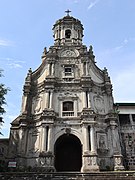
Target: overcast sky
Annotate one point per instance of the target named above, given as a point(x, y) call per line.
point(26, 28)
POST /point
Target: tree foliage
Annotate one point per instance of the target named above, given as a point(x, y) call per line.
point(3, 92)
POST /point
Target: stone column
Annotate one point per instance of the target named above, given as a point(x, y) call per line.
point(51, 98)
point(46, 160)
point(86, 68)
point(114, 134)
point(49, 68)
point(82, 68)
point(86, 154)
point(84, 99)
point(60, 109)
point(50, 139)
point(75, 108)
point(46, 99)
point(93, 153)
point(89, 104)
point(52, 71)
point(61, 32)
point(44, 138)
point(86, 138)
point(92, 140)
point(89, 158)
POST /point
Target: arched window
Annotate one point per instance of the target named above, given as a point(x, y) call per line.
point(68, 34)
point(68, 108)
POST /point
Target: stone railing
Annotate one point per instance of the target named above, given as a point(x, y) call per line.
point(67, 113)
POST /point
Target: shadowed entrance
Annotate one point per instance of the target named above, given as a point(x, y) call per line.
point(68, 153)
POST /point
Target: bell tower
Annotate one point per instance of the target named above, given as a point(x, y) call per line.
point(68, 31)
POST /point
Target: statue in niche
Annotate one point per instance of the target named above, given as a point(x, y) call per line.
point(102, 143)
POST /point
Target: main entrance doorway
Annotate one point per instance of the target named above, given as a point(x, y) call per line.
point(68, 153)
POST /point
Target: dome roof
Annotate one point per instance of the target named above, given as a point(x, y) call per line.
point(67, 19)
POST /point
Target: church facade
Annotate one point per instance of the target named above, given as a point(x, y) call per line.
point(68, 120)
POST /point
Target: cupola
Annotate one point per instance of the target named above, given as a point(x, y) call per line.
point(68, 31)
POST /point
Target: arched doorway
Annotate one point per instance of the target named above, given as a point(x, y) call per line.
point(68, 153)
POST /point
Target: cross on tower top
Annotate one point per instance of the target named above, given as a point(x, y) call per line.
point(67, 11)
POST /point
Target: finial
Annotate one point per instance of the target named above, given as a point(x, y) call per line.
point(91, 50)
point(30, 71)
point(67, 11)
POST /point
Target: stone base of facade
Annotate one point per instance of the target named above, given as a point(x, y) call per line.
point(88, 169)
point(90, 163)
point(44, 162)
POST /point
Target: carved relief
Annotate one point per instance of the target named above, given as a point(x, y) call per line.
point(118, 161)
point(45, 161)
point(69, 53)
point(67, 95)
point(91, 161)
point(99, 104)
point(37, 105)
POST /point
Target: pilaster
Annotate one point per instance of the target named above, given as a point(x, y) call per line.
point(44, 133)
point(50, 139)
point(118, 162)
point(89, 157)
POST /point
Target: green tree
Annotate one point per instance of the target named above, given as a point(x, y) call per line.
point(3, 92)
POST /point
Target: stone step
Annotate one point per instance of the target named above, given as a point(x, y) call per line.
point(126, 175)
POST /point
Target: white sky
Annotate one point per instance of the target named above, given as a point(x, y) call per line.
point(26, 28)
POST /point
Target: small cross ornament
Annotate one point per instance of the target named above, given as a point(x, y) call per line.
point(67, 11)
